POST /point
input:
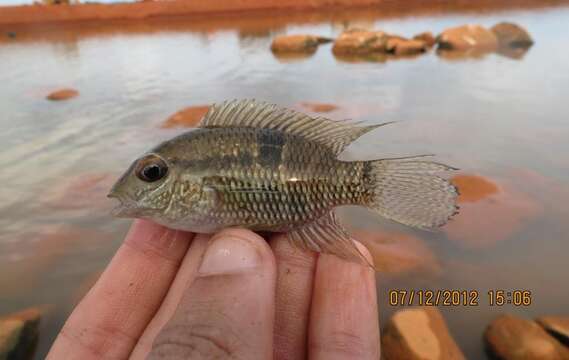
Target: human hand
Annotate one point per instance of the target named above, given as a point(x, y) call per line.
point(168, 294)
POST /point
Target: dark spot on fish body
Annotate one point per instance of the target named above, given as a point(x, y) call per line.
point(270, 144)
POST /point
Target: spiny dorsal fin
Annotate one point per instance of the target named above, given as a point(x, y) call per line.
point(336, 135)
point(327, 235)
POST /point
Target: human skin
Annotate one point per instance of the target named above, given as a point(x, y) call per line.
point(168, 294)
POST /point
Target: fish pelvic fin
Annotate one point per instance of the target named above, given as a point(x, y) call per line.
point(335, 135)
point(327, 235)
point(411, 192)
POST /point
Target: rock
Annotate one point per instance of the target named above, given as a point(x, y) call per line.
point(359, 42)
point(11, 34)
point(467, 37)
point(401, 47)
point(418, 334)
point(397, 253)
point(557, 326)
point(511, 338)
point(187, 117)
point(297, 43)
point(488, 217)
point(84, 191)
point(62, 94)
point(319, 107)
point(19, 334)
point(473, 188)
point(426, 37)
point(511, 35)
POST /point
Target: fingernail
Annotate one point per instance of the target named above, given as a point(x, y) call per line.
point(229, 254)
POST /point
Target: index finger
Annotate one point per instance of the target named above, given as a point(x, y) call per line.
point(115, 312)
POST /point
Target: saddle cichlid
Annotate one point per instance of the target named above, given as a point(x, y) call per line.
point(266, 168)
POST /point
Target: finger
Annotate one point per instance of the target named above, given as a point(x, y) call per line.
point(228, 310)
point(184, 277)
point(344, 318)
point(295, 274)
point(111, 317)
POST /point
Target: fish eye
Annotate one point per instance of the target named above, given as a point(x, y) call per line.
point(151, 168)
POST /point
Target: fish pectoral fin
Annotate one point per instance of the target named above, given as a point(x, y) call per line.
point(326, 235)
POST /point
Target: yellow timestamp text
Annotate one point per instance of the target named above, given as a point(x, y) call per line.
point(450, 297)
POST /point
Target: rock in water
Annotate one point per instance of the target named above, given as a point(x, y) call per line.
point(558, 326)
point(401, 47)
point(512, 35)
point(187, 117)
point(418, 334)
point(63, 94)
point(427, 37)
point(511, 338)
point(19, 334)
point(360, 42)
point(297, 43)
point(467, 37)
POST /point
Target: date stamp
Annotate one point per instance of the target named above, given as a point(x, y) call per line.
point(456, 297)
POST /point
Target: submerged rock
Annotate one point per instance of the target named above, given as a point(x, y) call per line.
point(187, 117)
point(62, 94)
point(558, 326)
point(418, 334)
point(297, 43)
point(426, 37)
point(19, 334)
point(397, 253)
point(402, 47)
point(472, 188)
point(511, 338)
point(467, 37)
point(360, 42)
point(319, 107)
point(512, 35)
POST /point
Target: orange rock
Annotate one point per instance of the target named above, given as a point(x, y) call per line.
point(396, 253)
point(417, 334)
point(558, 326)
point(467, 37)
point(492, 218)
point(426, 37)
point(85, 191)
point(405, 47)
point(473, 188)
point(509, 337)
point(19, 334)
point(319, 107)
point(62, 94)
point(359, 42)
point(297, 43)
point(187, 117)
point(512, 35)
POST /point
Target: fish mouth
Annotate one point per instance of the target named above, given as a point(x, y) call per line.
point(126, 208)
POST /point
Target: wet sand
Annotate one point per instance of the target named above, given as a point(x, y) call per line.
point(33, 14)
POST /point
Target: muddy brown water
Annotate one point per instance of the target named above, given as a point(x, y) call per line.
point(497, 117)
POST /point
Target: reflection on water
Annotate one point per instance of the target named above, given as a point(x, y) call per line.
point(502, 118)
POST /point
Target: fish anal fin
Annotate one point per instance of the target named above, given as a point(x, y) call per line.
point(326, 235)
point(335, 135)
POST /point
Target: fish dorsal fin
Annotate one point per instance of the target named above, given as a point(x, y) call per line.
point(335, 135)
point(327, 235)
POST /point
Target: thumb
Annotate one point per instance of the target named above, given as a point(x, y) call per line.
point(228, 310)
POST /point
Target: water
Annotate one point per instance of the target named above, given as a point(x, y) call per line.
point(498, 117)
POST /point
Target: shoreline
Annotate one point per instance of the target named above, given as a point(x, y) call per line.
point(26, 15)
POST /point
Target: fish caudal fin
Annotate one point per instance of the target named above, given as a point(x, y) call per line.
point(410, 192)
point(326, 235)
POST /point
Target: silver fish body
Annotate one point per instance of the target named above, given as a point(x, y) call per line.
point(261, 167)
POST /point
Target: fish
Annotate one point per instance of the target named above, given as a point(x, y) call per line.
point(266, 168)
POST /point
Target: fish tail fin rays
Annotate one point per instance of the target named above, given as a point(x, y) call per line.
point(411, 192)
point(326, 235)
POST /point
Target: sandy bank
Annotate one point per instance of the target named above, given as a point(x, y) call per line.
point(30, 14)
